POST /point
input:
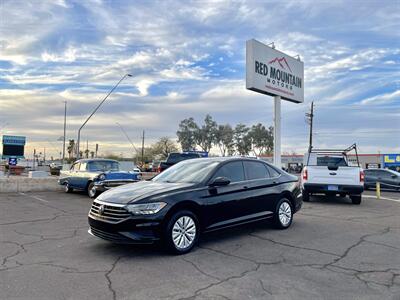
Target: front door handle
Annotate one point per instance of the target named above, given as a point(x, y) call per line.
point(245, 187)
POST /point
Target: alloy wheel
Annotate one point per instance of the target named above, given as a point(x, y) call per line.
point(184, 232)
point(285, 214)
point(92, 190)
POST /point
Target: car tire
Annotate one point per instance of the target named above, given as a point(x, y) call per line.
point(67, 188)
point(180, 236)
point(306, 196)
point(283, 216)
point(355, 199)
point(91, 190)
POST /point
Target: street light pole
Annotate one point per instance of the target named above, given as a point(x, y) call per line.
point(65, 129)
point(98, 106)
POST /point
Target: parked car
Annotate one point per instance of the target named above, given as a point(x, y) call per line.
point(174, 158)
point(328, 172)
point(195, 196)
point(95, 176)
point(388, 179)
point(155, 165)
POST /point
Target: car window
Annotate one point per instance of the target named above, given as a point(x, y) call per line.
point(273, 172)
point(331, 160)
point(82, 167)
point(177, 157)
point(385, 174)
point(75, 167)
point(95, 166)
point(232, 170)
point(255, 170)
point(370, 172)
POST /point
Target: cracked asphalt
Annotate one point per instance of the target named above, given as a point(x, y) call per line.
point(334, 250)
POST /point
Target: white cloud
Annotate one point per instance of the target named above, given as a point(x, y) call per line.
point(383, 98)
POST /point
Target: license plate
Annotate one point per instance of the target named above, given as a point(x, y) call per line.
point(333, 187)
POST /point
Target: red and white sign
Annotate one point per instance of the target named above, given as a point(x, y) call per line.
point(274, 73)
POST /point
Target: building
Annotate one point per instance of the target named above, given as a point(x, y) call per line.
point(367, 161)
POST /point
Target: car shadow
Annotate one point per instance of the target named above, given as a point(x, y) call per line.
point(330, 200)
point(144, 251)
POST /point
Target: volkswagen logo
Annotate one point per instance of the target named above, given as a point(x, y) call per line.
point(101, 209)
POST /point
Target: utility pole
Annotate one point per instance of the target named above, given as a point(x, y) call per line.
point(310, 117)
point(34, 158)
point(143, 149)
point(97, 149)
point(65, 129)
point(87, 148)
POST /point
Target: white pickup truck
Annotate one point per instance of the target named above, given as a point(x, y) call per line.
point(329, 172)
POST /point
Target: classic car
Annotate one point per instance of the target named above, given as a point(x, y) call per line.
point(95, 176)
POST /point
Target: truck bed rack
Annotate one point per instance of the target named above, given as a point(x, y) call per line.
point(335, 151)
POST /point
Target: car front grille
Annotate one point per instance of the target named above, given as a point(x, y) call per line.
point(110, 236)
point(111, 213)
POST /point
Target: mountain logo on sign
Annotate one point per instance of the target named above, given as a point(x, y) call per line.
point(280, 61)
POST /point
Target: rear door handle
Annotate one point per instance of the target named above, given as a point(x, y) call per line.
point(245, 187)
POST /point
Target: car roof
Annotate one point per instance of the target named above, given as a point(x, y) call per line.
point(226, 158)
point(95, 159)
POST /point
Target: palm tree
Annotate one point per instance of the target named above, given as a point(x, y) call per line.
point(71, 148)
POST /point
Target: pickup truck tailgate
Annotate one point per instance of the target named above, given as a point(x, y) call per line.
point(341, 176)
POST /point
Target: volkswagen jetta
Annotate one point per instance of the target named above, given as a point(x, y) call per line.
point(195, 196)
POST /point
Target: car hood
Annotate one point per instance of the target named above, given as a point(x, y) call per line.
point(133, 192)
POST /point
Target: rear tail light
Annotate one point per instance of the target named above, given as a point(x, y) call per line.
point(159, 169)
point(305, 174)
point(362, 176)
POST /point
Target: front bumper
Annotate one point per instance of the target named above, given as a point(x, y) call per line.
point(134, 230)
point(325, 188)
point(105, 185)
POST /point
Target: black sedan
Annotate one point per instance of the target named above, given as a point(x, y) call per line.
point(195, 196)
point(389, 179)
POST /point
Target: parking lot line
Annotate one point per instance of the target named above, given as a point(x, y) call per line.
point(34, 197)
point(382, 198)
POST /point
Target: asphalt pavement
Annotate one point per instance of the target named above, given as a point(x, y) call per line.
point(334, 250)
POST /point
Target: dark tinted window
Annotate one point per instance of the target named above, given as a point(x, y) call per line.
point(103, 165)
point(385, 174)
point(370, 172)
point(232, 170)
point(177, 157)
point(255, 170)
point(273, 172)
point(331, 160)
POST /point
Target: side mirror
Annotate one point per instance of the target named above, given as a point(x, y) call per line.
point(394, 176)
point(220, 181)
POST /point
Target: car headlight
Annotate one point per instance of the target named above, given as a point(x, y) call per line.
point(102, 177)
point(146, 208)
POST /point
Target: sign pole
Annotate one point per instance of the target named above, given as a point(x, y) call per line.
point(277, 131)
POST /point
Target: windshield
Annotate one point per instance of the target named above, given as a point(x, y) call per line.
point(336, 161)
point(103, 166)
point(194, 171)
point(177, 157)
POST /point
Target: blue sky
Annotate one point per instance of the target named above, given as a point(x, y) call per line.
point(188, 59)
